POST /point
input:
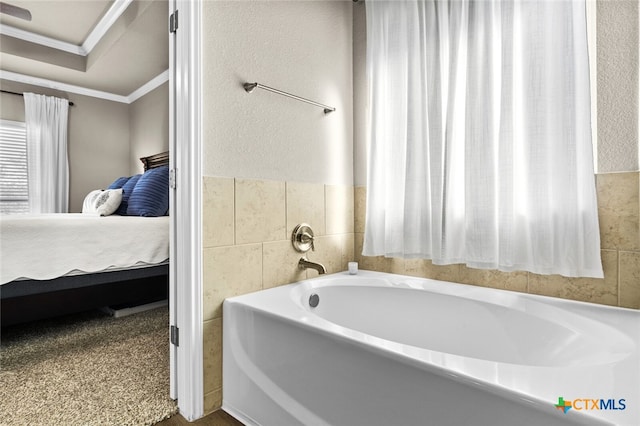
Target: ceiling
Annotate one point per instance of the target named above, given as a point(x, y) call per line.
point(104, 45)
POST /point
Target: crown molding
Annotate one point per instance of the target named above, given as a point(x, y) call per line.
point(41, 40)
point(117, 8)
point(78, 90)
point(56, 85)
point(149, 86)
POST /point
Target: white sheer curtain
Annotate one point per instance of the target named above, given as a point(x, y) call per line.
point(46, 119)
point(480, 139)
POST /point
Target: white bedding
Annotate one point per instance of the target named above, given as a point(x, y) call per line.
point(48, 246)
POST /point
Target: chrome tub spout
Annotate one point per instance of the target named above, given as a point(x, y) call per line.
point(304, 264)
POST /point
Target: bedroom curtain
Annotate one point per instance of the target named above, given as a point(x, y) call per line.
point(46, 119)
point(479, 135)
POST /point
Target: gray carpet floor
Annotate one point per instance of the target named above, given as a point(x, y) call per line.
point(87, 369)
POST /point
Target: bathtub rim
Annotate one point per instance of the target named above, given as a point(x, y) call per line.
point(462, 286)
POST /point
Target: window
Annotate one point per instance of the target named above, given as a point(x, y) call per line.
point(14, 186)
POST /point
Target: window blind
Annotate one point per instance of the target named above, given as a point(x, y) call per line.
point(14, 187)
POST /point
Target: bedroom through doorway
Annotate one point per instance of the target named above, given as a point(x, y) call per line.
point(110, 58)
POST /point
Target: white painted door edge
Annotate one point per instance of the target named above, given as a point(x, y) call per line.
point(186, 88)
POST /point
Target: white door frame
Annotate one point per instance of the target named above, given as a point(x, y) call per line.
point(185, 112)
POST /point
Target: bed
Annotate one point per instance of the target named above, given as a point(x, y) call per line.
point(55, 264)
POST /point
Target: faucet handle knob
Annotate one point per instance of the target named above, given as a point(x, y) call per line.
point(302, 238)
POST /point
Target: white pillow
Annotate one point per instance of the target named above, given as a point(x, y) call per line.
point(102, 202)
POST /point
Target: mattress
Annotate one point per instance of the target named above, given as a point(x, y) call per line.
point(48, 246)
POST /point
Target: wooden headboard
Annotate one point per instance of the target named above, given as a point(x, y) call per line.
point(155, 160)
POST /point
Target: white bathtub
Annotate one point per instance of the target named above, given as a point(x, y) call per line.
point(383, 349)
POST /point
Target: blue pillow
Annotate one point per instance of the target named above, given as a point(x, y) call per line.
point(118, 183)
point(150, 197)
point(126, 194)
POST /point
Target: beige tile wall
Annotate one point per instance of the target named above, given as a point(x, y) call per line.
point(619, 215)
point(247, 226)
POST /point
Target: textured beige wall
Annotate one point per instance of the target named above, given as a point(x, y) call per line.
point(98, 146)
point(11, 106)
point(303, 48)
point(149, 126)
point(618, 85)
point(98, 138)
